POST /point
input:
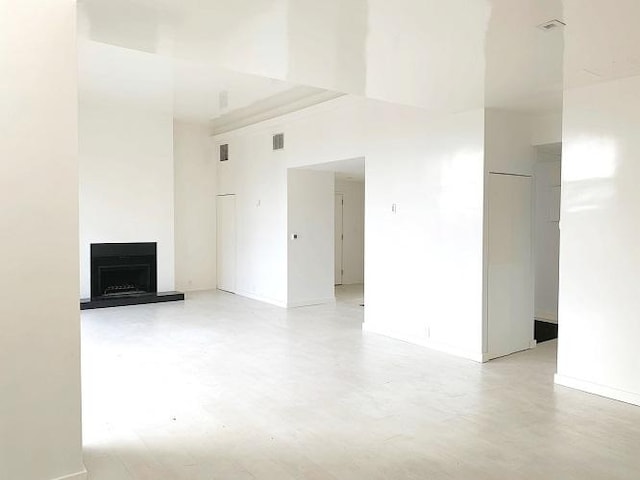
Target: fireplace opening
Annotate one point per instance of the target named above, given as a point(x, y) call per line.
point(124, 280)
point(123, 269)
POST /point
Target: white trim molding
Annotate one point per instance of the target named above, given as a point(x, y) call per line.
point(258, 298)
point(309, 303)
point(370, 327)
point(82, 475)
point(597, 389)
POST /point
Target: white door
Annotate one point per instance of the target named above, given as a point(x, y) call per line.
point(226, 242)
point(510, 282)
point(339, 238)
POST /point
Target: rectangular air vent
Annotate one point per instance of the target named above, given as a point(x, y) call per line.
point(224, 152)
point(278, 141)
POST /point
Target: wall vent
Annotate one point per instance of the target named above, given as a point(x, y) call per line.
point(224, 152)
point(551, 25)
point(278, 141)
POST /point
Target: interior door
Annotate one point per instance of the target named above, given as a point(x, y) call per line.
point(226, 242)
point(510, 291)
point(339, 238)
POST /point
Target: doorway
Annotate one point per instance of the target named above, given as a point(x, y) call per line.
point(340, 195)
point(547, 173)
point(349, 230)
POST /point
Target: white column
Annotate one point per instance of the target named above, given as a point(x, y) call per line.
point(40, 424)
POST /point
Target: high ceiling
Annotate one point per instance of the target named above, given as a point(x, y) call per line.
point(441, 55)
point(192, 91)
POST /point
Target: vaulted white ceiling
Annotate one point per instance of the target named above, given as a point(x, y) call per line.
point(191, 91)
point(440, 55)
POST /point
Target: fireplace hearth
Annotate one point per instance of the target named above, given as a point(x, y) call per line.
point(125, 274)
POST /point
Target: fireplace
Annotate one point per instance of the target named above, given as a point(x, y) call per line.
point(125, 274)
point(123, 270)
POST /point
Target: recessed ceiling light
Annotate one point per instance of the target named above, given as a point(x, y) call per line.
point(551, 25)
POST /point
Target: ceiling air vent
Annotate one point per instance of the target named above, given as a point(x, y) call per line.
point(224, 152)
point(278, 141)
point(551, 25)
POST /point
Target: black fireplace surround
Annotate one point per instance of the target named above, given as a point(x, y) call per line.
point(125, 274)
point(123, 269)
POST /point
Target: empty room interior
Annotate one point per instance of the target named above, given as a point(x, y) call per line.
point(336, 240)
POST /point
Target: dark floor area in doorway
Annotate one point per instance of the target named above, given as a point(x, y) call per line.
point(545, 331)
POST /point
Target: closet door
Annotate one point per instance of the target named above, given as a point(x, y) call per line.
point(510, 299)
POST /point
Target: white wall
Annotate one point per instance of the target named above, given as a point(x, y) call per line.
point(40, 429)
point(422, 259)
point(353, 230)
point(126, 183)
point(546, 128)
point(310, 200)
point(547, 235)
point(195, 207)
point(258, 178)
point(599, 232)
point(508, 142)
point(419, 260)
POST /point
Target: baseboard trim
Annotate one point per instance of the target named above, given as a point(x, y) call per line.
point(423, 342)
point(309, 303)
point(489, 356)
point(82, 475)
point(258, 298)
point(597, 389)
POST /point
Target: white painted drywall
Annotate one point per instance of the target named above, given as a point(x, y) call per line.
point(40, 425)
point(547, 235)
point(226, 243)
point(258, 177)
point(420, 259)
point(423, 258)
point(599, 232)
point(546, 128)
point(508, 142)
point(126, 183)
point(310, 218)
point(195, 207)
point(353, 230)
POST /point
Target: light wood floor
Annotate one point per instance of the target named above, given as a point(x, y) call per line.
point(221, 387)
